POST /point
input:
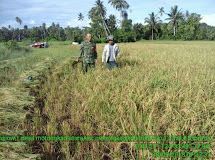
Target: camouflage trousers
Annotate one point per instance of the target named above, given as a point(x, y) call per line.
point(85, 66)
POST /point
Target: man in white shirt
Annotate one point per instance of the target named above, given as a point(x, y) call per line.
point(110, 54)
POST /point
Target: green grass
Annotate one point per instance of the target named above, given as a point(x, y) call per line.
point(160, 88)
point(16, 103)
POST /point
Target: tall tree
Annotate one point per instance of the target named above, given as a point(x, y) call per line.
point(120, 5)
point(18, 20)
point(25, 30)
point(161, 11)
point(124, 15)
point(152, 22)
point(174, 16)
point(100, 11)
point(57, 34)
point(44, 30)
point(111, 22)
point(138, 29)
point(80, 17)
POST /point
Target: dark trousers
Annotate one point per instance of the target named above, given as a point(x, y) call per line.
point(111, 64)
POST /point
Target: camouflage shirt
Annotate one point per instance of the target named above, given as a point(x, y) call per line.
point(88, 52)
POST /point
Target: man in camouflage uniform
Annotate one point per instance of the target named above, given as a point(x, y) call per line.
point(89, 54)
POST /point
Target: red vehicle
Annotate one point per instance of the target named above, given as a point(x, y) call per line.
point(39, 44)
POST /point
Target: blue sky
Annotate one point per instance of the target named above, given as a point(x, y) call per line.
point(65, 12)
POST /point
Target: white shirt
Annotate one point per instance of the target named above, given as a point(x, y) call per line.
point(106, 52)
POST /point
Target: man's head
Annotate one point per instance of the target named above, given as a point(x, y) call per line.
point(88, 37)
point(111, 40)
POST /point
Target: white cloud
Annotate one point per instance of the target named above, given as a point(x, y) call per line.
point(209, 19)
point(32, 22)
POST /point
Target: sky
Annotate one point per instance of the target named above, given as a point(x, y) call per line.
point(65, 12)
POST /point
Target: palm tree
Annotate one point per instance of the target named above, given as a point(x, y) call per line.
point(153, 21)
point(112, 22)
point(100, 11)
point(124, 15)
point(81, 18)
point(161, 11)
point(174, 16)
point(25, 30)
point(120, 5)
point(18, 20)
point(57, 35)
point(44, 30)
point(187, 13)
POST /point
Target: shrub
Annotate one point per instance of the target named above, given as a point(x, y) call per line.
point(12, 45)
point(103, 40)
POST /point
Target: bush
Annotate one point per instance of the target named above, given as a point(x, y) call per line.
point(2, 55)
point(103, 40)
point(121, 36)
point(100, 40)
point(35, 39)
point(78, 39)
point(26, 41)
point(12, 45)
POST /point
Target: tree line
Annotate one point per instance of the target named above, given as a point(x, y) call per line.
point(181, 25)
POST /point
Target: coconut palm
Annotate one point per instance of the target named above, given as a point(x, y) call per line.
point(44, 29)
point(111, 22)
point(174, 16)
point(25, 30)
point(80, 17)
point(187, 13)
point(120, 5)
point(18, 20)
point(161, 11)
point(100, 11)
point(124, 15)
point(152, 22)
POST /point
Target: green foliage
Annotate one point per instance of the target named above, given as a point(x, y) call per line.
point(180, 27)
point(153, 20)
point(11, 45)
point(127, 25)
point(2, 55)
point(78, 38)
point(138, 29)
point(35, 39)
point(121, 36)
point(111, 23)
point(26, 40)
point(126, 34)
point(100, 40)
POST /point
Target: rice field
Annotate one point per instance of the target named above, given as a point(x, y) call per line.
point(160, 88)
